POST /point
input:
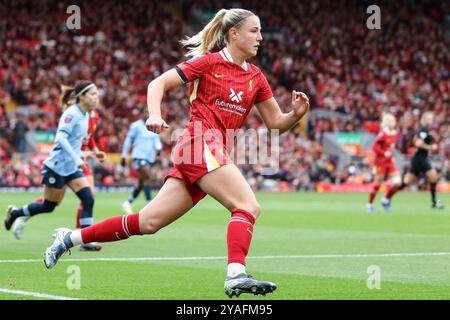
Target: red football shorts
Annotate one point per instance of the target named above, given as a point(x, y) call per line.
point(194, 155)
point(87, 171)
point(385, 167)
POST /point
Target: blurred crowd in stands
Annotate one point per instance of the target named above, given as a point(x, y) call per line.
point(320, 47)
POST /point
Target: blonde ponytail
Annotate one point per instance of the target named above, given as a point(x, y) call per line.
point(215, 32)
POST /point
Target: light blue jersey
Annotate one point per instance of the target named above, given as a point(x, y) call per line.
point(145, 143)
point(66, 155)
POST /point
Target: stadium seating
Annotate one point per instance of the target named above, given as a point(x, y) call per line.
point(320, 47)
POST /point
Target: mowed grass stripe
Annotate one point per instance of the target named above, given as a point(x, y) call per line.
point(308, 225)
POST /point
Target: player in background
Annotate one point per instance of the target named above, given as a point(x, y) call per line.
point(223, 89)
point(384, 165)
point(145, 145)
point(64, 166)
point(420, 164)
point(89, 143)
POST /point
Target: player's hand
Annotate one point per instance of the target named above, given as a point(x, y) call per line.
point(434, 147)
point(101, 156)
point(156, 124)
point(388, 154)
point(300, 103)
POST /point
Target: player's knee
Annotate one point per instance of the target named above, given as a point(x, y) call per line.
point(433, 177)
point(149, 227)
point(86, 196)
point(256, 210)
point(253, 207)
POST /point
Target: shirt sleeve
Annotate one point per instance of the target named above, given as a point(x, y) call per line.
point(193, 69)
point(128, 142)
point(91, 143)
point(158, 144)
point(61, 140)
point(264, 90)
point(67, 123)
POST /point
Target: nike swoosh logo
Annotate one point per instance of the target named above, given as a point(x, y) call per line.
point(218, 75)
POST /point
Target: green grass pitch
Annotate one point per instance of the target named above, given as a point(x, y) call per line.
point(314, 246)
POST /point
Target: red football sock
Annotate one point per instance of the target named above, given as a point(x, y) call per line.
point(239, 235)
point(80, 207)
point(373, 193)
point(391, 191)
point(112, 229)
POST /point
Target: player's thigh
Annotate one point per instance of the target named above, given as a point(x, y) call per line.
point(54, 194)
point(409, 178)
point(144, 173)
point(378, 179)
point(432, 175)
point(228, 186)
point(78, 184)
point(171, 202)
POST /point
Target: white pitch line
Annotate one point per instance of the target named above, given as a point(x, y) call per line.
point(36, 294)
point(317, 256)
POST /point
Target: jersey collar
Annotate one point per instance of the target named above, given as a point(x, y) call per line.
point(225, 54)
point(81, 110)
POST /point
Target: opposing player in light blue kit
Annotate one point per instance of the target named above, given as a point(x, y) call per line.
point(146, 145)
point(63, 167)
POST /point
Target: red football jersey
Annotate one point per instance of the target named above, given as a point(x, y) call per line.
point(89, 141)
point(222, 93)
point(383, 142)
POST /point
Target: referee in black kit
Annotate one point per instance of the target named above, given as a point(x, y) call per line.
point(419, 161)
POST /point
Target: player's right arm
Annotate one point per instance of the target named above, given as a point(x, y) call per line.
point(127, 144)
point(155, 91)
point(378, 146)
point(421, 144)
point(183, 73)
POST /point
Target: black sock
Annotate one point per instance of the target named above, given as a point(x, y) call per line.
point(33, 209)
point(87, 199)
point(433, 192)
point(148, 193)
point(17, 213)
point(134, 194)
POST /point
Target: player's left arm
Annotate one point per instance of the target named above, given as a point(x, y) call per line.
point(127, 144)
point(92, 145)
point(274, 118)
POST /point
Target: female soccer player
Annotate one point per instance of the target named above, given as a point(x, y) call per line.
point(63, 167)
point(145, 146)
point(383, 148)
point(223, 89)
point(419, 162)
